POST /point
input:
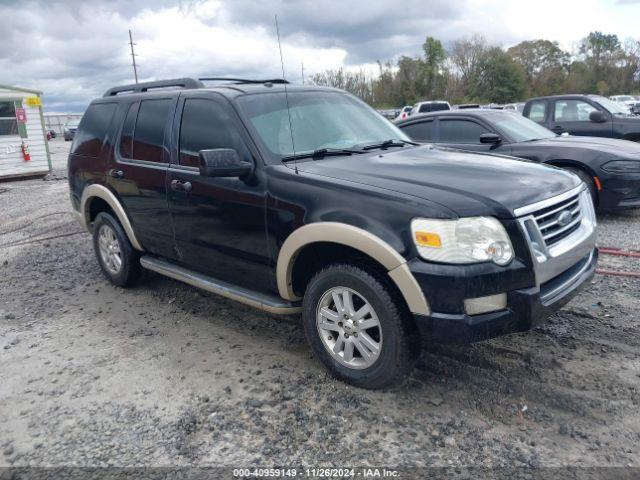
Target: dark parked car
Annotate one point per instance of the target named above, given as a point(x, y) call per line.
point(610, 168)
point(69, 130)
point(375, 239)
point(584, 115)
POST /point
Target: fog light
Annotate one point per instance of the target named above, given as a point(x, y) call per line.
point(492, 303)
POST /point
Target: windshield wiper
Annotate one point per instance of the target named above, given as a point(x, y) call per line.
point(388, 143)
point(320, 153)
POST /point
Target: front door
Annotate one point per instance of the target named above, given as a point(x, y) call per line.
point(572, 116)
point(139, 172)
point(219, 223)
point(464, 134)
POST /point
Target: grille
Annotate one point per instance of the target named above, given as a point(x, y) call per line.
point(554, 222)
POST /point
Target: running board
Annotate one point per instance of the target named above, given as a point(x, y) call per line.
point(268, 303)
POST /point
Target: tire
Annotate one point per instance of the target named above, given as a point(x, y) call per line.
point(110, 241)
point(395, 334)
point(588, 180)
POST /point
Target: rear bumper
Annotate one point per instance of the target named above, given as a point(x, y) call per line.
point(526, 309)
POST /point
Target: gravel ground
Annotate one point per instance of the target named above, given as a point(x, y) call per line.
point(165, 374)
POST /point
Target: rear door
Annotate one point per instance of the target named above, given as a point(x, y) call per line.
point(219, 223)
point(139, 173)
point(572, 116)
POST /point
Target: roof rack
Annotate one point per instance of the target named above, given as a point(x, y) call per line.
point(188, 83)
point(242, 80)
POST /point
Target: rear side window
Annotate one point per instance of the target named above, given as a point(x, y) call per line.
point(461, 131)
point(93, 129)
point(206, 125)
point(126, 139)
point(538, 111)
point(148, 135)
point(572, 111)
point(422, 132)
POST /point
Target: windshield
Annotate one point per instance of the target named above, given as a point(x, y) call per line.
point(520, 129)
point(612, 107)
point(331, 120)
point(73, 123)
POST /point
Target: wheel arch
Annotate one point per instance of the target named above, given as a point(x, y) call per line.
point(95, 191)
point(564, 163)
point(355, 238)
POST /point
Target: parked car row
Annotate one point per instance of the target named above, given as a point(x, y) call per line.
point(609, 168)
point(303, 199)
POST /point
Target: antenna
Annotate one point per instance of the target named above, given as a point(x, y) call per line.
point(133, 56)
point(286, 95)
point(302, 67)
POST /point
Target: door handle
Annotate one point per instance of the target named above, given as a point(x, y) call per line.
point(116, 173)
point(180, 186)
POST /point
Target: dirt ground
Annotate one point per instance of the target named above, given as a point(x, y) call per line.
point(165, 374)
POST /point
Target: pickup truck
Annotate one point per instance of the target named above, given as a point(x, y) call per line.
point(584, 115)
point(302, 199)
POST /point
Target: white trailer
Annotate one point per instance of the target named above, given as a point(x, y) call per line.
point(24, 150)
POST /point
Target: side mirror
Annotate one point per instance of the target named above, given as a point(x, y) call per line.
point(223, 162)
point(597, 116)
point(490, 138)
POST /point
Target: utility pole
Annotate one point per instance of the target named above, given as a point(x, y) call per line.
point(302, 66)
point(133, 56)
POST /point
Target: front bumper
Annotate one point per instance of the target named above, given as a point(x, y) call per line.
point(526, 309)
point(543, 277)
point(620, 191)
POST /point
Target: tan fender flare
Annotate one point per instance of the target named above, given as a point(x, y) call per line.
point(359, 239)
point(102, 192)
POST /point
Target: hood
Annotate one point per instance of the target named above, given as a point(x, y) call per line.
point(613, 147)
point(469, 184)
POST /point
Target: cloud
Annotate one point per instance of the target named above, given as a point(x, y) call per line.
point(76, 49)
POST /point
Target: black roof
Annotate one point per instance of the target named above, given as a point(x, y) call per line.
point(465, 112)
point(225, 85)
point(565, 96)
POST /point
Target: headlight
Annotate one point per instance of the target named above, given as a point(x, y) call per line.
point(466, 240)
point(622, 166)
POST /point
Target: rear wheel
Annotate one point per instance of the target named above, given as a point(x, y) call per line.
point(589, 182)
point(358, 327)
point(119, 261)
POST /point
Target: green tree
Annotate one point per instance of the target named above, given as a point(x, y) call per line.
point(501, 80)
point(545, 65)
point(434, 67)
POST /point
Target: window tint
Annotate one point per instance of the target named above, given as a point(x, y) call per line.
point(538, 111)
point(8, 122)
point(148, 135)
point(572, 111)
point(433, 107)
point(206, 125)
point(461, 131)
point(126, 139)
point(422, 132)
point(93, 129)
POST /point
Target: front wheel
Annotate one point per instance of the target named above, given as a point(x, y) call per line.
point(358, 327)
point(588, 180)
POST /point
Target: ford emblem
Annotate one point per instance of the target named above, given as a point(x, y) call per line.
point(564, 218)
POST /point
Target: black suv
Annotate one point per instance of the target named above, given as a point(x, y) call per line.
point(297, 198)
point(585, 115)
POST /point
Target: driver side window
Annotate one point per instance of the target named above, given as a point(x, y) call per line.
point(572, 111)
point(460, 131)
point(206, 125)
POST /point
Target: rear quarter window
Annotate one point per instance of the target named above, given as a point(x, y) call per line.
point(538, 111)
point(421, 132)
point(93, 128)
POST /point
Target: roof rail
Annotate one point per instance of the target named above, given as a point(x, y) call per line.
point(242, 80)
point(188, 83)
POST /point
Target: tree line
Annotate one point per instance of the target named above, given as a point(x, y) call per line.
point(471, 70)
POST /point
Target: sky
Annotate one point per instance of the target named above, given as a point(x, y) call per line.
point(74, 50)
